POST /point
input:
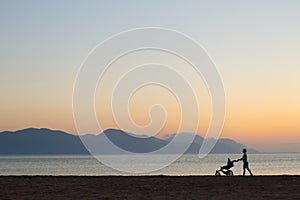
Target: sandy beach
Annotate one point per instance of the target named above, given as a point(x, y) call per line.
point(149, 187)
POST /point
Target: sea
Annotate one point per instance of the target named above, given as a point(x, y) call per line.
point(84, 165)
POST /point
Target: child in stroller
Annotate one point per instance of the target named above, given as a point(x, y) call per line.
point(226, 169)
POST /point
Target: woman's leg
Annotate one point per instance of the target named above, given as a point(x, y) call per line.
point(244, 170)
point(249, 171)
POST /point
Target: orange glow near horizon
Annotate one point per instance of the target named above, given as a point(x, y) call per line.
point(254, 119)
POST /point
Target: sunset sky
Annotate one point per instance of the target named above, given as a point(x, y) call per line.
point(255, 45)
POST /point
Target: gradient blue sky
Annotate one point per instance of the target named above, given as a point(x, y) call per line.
point(255, 45)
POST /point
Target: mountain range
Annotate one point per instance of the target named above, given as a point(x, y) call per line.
point(34, 141)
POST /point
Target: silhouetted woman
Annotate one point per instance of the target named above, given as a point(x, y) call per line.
point(245, 161)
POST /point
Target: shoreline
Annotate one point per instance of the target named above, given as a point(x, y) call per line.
point(149, 187)
point(144, 176)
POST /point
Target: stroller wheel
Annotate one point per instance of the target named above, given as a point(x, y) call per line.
point(217, 173)
point(229, 173)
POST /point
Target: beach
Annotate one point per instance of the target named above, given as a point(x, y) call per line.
point(149, 187)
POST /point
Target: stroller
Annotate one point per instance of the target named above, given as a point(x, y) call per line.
point(226, 169)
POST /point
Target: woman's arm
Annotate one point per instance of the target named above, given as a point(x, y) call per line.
point(243, 157)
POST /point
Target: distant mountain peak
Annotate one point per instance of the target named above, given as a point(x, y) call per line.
point(47, 141)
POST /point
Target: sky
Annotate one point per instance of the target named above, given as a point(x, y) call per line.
point(254, 44)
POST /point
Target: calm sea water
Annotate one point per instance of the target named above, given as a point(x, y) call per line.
point(260, 164)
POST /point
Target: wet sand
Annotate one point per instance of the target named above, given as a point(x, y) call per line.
point(149, 187)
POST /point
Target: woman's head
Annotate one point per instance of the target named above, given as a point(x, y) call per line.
point(244, 150)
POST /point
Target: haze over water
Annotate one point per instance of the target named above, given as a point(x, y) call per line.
point(261, 164)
